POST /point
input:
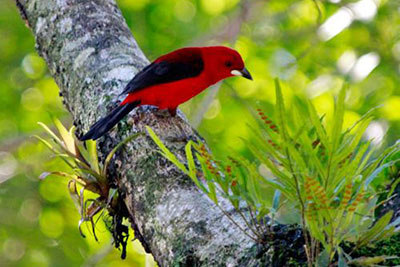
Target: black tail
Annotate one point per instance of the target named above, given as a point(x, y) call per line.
point(103, 125)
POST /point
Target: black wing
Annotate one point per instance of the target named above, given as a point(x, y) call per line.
point(183, 64)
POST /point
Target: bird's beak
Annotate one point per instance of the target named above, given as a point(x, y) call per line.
point(244, 73)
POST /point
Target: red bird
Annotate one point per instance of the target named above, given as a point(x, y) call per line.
point(173, 79)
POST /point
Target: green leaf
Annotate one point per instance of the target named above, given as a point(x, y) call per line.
point(67, 137)
point(349, 169)
point(93, 156)
point(192, 167)
point(393, 188)
point(212, 192)
point(276, 200)
point(253, 190)
point(262, 212)
point(323, 259)
point(51, 133)
point(286, 180)
point(314, 160)
point(364, 117)
point(316, 122)
point(280, 106)
point(260, 142)
point(93, 177)
point(375, 230)
point(54, 150)
point(190, 160)
point(385, 234)
point(166, 152)
point(371, 167)
point(379, 170)
point(338, 118)
point(370, 261)
point(342, 260)
point(44, 175)
point(297, 158)
point(354, 141)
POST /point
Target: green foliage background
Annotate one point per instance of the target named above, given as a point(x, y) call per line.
point(38, 222)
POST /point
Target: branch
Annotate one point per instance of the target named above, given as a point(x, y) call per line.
point(92, 55)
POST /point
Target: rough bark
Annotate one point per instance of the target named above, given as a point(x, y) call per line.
point(91, 54)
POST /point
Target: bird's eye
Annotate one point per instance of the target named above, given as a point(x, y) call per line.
point(228, 64)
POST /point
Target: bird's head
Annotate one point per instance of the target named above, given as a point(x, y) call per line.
point(225, 62)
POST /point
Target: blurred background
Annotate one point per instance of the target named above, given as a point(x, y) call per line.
point(313, 46)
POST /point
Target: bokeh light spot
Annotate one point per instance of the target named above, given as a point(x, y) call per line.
point(134, 5)
point(51, 189)
point(350, 117)
point(235, 133)
point(304, 11)
point(283, 64)
point(376, 132)
point(346, 61)
point(364, 10)
point(336, 23)
point(51, 223)
point(391, 109)
point(213, 7)
point(7, 127)
point(32, 99)
point(216, 125)
point(13, 249)
point(213, 110)
point(396, 50)
point(8, 166)
point(49, 90)
point(242, 46)
point(244, 88)
point(184, 10)
point(33, 66)
point(30, 210)
point(364, 65)
point(39, 258)
point(319, 86)
point(324, 104)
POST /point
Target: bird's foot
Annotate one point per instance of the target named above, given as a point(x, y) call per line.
point(166, 113)
point(172, 111)
point(162, 113)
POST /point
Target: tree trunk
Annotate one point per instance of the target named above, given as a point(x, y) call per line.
point(92, 55)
